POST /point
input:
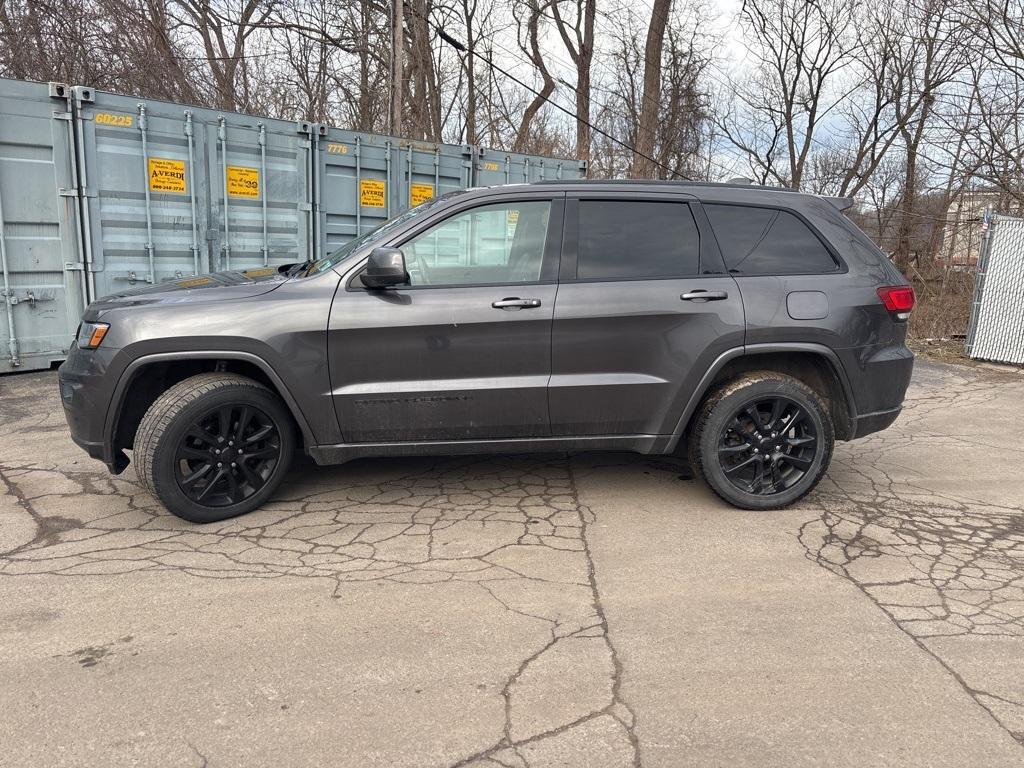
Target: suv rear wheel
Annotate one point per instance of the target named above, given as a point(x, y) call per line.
point(762, 441)
point(214, 446)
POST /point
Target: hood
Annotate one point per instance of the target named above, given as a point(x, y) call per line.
point(217, 286)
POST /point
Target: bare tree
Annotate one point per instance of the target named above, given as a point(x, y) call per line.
point(800, 48)
point(936, 53)
point(998, 78)
point(528, 15)
point(574, 22)
point(681, 117)
point(643, 167)
point(224, 35)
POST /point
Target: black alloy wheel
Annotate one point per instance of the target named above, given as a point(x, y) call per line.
point(768, 446)
point(762, 440)
point(227, 455)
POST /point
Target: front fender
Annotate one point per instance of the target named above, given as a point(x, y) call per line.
point(115, 458)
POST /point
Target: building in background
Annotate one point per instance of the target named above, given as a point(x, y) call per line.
point(967, 219)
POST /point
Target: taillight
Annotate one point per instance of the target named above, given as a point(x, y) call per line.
point(898, 299)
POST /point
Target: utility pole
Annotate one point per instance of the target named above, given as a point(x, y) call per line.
point(397, 65)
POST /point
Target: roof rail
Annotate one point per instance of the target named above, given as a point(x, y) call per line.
point(840, 203)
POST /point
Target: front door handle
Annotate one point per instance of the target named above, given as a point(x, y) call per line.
point(701, 295)
point(514, 302)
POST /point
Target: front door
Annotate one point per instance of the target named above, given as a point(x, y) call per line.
point(463, 351)
point(644, 307)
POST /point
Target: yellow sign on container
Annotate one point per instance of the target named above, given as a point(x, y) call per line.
point(243, 182)
point(166, 175)
point(371, 193)
point(420, 193)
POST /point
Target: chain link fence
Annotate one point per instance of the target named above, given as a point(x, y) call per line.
point(996, 328)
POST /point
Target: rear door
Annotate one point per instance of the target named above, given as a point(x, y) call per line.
point(464, 350)
point(644, 306)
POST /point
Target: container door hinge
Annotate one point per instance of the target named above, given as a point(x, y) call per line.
point(68, 192)
point(133, 278)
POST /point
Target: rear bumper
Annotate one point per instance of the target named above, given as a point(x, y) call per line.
point(879, 377)
point(874, 422)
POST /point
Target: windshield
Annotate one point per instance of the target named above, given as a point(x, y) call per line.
point(379, 232)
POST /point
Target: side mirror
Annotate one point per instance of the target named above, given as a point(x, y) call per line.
point(386, 266)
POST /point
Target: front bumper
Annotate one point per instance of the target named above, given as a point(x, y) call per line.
point(85, 391)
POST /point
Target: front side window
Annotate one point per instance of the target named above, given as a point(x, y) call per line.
point(767, 241)
point(633, 239)
point(376, 234)
point(500, 243)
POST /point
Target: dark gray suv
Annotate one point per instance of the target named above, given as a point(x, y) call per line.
point(750, 326)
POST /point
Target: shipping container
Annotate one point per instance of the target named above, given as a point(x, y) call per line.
point(42, 275)
point(170, 190)
point(492, 167)
point(363, 179)
point(100, 192)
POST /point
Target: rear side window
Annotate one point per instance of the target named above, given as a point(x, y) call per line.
point(623, 239)
point(765, 241)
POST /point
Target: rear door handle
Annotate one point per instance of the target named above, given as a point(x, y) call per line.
point(514, 302)
point(701, 295)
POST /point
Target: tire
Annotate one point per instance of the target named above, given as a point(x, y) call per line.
point(727, 447)
point(192, 426)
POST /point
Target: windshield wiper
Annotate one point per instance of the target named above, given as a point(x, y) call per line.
point(295, 269)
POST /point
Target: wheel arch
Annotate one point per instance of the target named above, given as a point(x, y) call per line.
point(146, 377)
point(814, 364)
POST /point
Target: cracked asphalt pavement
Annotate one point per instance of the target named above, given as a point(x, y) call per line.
point(593, 610)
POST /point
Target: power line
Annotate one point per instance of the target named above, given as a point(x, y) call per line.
point(490, 62)
point(728, 171)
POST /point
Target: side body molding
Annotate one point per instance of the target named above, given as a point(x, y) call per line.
point(117, 400)
point(751, 350)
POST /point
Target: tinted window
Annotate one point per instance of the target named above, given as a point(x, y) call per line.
point(623, 239)
point(763, 241)
point(501, 243)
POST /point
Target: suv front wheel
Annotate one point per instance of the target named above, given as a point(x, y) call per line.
point(762, 441)
point(214, 446)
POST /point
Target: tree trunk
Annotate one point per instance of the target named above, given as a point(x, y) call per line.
point(397, 65)
point(586, 55)
point(548, 86)
point(908, 213)
point(643, 168)
point(468, 12)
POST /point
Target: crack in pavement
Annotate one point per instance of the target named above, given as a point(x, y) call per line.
point(515, 747)
point(512, 526)
point(946, 568)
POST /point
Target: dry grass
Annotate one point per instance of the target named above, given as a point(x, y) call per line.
point(943, 307)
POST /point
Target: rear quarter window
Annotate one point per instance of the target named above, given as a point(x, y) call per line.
point(767, 241)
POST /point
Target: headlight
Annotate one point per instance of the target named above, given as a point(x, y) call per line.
point(90, 335)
